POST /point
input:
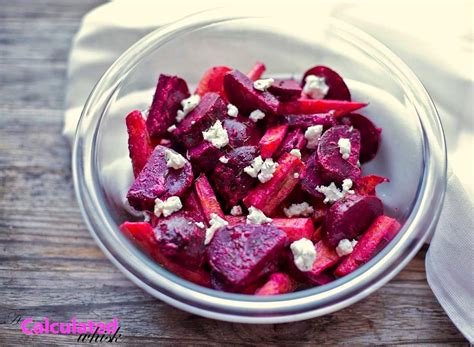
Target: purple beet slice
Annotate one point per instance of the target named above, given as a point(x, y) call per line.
point(285, 89)
point(307, 120)
point(333, 166)
point(351, 216)
point(241, 131)
point(293, 140)
point(204, 157)
point(239, 253)
point(337, 87)
point(312, 177)
point(157, 180)
point(240, 92)
point(170, 91)
point(230, 180)
point(181, 240)
point(210, 108)
point(370, 135)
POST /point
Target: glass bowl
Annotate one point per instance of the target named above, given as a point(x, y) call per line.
point(412, 153)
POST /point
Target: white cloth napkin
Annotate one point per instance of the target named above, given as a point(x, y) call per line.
point(438, 46)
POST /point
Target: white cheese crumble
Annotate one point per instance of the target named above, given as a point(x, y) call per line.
point(216, 135)
point(256, 115)
point(216, 222)
point(296, 175)
point(312, 134)
point(256, 216)
point(174, 160)
point(267, 170)
point(263, 84)
point(232, 110)
point(333, 194)
point(296, 152)
point(171, 128)
point(236, 210)
point(254, 168)
point(264, 170)
point(304, 254)
point(200, 225)
point(302, 209)
point(345, 247)
point(188, 105)
point(167, 207)
point(315, 87)
point(224, 159)
point(344, 147)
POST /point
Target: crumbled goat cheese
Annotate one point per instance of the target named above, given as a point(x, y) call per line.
point(263, 84)
point(345, 247)
point(174, 160)
point(254, 168)
point(296, 175)
point(224, 159)
point(232, 110)
point(171, 128)
point(333, 194)
point(344, 147)
point(236, 210)
point(188, 105)
point(302, 209)
point(216, 222)
point(167, 207)
point(256, 216)
point(296, 152)
point(304, 254)
point(256, 115)
point(200, 225)
point(347, 185)
point(312, 134)
point(264, 170)
point(267, 170)
point(315, 87)
point(216, 135)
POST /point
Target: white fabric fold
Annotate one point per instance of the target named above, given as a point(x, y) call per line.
point(438, 46)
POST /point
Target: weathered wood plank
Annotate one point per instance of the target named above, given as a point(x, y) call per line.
point(50, 265)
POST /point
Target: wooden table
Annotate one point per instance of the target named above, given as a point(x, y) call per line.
point(49, 264)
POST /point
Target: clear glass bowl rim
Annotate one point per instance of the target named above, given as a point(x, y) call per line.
point(244, 308)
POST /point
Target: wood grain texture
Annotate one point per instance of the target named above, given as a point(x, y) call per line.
point(49, 264)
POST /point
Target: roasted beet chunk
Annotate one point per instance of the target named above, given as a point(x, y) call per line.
point(349, 217)
point(139, 144)
point(307, 120)
point(272, 139)
point(240, 92)
point(312, 177)
point(379, 234)
point(170, 91)
point(204, 157)
point(239, 253)
point(144, 236)
point(370, 135)
point(157, 180)
point(337, 87)
point(230, 180)
point(293, 140)
point(241, 132)
point(210, 108)
point(366, 185)
point(333, 166)
point(278, 283)
point(285, 89)
point(181, 240)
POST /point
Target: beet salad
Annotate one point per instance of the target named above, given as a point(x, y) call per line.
point(252, 184)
